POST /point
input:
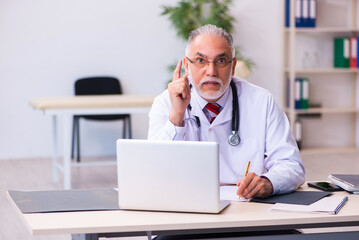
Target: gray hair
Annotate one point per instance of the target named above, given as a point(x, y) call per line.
point(210, 29)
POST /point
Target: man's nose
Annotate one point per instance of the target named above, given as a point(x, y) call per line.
point(211, 69)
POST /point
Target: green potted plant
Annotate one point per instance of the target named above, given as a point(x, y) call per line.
point(188, 15)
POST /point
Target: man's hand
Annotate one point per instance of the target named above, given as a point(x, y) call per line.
point(254, 186)
point(180, 95)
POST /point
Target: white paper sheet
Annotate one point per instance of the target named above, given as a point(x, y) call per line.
point(230, 193)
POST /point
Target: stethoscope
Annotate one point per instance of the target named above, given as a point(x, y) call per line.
point(233, 138)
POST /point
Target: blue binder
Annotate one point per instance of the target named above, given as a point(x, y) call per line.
point(287, 13)
point(312, 13)
point(297, 93)
point(299, 13)
point(305, 13)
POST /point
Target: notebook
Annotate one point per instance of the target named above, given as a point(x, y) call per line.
point(297, 197)
point(180, 176)
point(327, 205)
point(349, 182)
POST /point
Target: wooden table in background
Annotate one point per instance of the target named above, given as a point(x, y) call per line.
point(64, 108)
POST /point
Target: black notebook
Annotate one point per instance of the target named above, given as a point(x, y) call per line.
point(297, 197)
point(65, 200)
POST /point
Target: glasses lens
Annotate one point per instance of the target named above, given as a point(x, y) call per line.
point(221, 62)
point(201, 62)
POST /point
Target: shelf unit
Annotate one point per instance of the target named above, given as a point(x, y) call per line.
point(291, 70)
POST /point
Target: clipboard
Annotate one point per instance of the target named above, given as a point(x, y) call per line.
point(66, 200)
point(297, 197)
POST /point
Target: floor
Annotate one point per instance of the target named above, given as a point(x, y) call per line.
point(35, 174)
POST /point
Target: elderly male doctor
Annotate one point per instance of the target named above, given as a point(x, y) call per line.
point(181, 113)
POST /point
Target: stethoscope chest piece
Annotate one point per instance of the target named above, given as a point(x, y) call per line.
point(234, 139)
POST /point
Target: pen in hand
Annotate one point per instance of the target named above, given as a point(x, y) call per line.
point(246, 173)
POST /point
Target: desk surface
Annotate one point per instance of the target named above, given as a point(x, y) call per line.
point(93, 101)
point(243, 216)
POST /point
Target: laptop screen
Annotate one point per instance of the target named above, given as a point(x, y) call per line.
point(168, 175)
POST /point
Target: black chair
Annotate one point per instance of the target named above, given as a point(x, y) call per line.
point(97, 86)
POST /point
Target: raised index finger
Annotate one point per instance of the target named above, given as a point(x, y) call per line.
point(177, 72)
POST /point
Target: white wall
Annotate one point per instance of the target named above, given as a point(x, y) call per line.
point(46, 44)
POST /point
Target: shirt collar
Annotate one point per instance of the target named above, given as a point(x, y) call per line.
point(202, 103)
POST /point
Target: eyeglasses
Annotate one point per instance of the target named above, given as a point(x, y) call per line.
point(200, 62)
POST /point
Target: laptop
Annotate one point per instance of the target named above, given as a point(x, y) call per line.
point(179, 176)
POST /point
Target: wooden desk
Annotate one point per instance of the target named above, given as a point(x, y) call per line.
point(238, 216)
point(64, 108)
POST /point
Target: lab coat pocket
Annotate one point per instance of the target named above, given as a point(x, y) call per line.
point(247, 150)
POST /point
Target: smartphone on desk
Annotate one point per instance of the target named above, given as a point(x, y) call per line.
point(325, 186)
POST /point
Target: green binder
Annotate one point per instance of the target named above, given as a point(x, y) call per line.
point(341, 52)
point(304, 93)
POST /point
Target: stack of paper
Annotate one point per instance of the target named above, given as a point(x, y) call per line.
point(349, 182)
point(327, 205)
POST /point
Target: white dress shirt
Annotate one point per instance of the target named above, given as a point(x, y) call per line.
point(266, 137)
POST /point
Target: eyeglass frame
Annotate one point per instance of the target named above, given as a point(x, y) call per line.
point(208, 62)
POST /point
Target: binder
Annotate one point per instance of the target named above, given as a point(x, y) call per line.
point(287, 93)
point(312, 13)
point(304, 93)
point(353, 52)
point(305, 13)
point(341, 52)
point(287, 13)
point(299, 13)
point(297, 92)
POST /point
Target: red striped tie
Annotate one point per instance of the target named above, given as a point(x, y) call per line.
point(213, 109)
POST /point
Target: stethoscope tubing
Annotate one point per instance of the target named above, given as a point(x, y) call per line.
point(233, 138)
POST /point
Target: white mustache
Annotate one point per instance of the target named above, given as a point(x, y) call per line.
point(211, 79)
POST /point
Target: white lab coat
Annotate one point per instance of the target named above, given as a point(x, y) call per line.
point(266, 137)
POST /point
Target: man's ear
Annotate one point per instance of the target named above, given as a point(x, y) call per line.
point(234, 66)
point(185, 64)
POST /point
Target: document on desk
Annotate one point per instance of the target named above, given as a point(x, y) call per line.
point(327, 205)
point(65, 200)
point(230, 193)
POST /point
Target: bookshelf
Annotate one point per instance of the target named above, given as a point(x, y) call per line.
point(334, 125)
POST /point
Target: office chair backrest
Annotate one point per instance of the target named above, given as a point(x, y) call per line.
point(97, 86)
